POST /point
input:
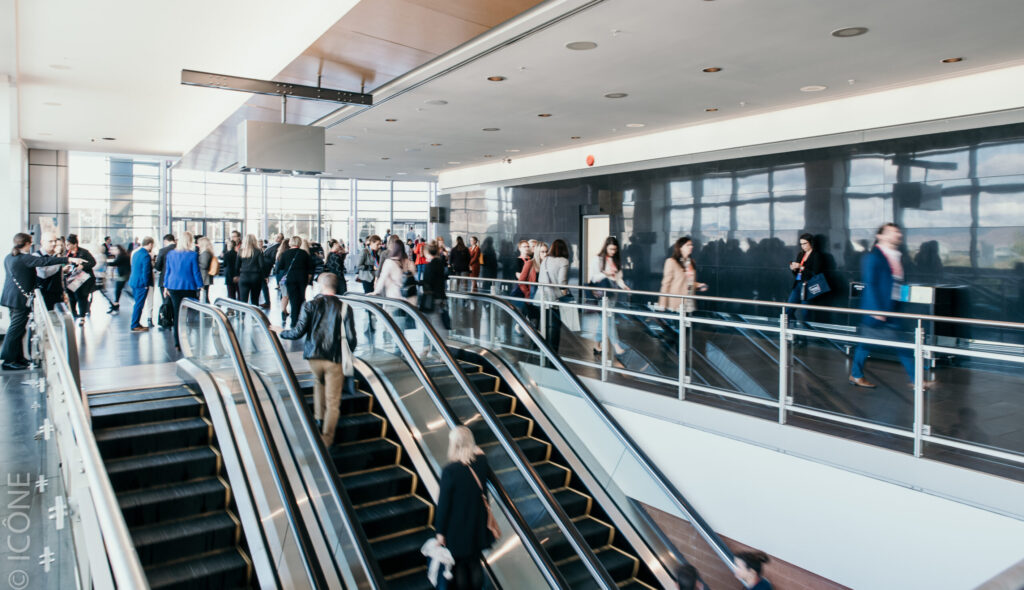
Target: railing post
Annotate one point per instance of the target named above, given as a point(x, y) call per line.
point(783, 365)
point(605, 340)
point(682, 349)
point(918, 388)
point(543, 324)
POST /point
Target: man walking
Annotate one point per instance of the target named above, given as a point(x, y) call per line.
point(330, 337)
point(140, 280)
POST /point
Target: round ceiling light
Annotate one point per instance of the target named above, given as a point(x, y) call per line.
point(711, 70)
point(109, 138)
point(436, 102)
point(711, 110)
point(616, 95)
point(512, 151)
point(581, 45)
point(488, 156)
point(634, 125)
point(497, 78)
point(490, 129)
point(813, 88)
point(328, 144)
point(435, 145)
point(849, 32)
point(385, 158)
point(390, 120)
point(575, 137)
point(544, 115)
point(952, 60)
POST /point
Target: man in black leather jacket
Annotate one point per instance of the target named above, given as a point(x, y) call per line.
point(325, 321)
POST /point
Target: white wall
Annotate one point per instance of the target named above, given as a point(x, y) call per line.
point(13, 155)
point(996, 91)
point(860, 531)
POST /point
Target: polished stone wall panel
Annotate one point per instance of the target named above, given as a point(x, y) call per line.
point(959, 196)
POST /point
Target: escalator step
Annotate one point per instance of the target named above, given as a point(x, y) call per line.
point(595, 532)
point(162, 468)
point(356, 427)
point(362, 455)
point(140, 439)
point(393, 516)
point(414, 580)
point(146, 411)
point(535, 450)
point(516, 425)
point(441, 369)
point(553, 475)
point(358, 403)
point(152, 505)
point(170, 541)
point(484, 381)
point(635, 584)
point(222, 569)
point(399, 554)
point(98, 400)
point(500, 403)
point(574, 503)
point(618, 565)
point(387, 482)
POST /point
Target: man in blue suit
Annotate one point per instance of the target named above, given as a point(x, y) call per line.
point(140, 281)
point(883, 276)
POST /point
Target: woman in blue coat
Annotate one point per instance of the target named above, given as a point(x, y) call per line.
point(140, 280)
point(182, 279)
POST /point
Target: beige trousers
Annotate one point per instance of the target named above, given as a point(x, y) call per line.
point(328, 382)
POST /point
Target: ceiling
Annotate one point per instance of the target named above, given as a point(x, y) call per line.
point(408, 52)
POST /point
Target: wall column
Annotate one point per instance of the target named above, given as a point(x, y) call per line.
point(48, 189)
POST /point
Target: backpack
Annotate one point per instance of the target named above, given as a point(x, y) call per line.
point(166, 316)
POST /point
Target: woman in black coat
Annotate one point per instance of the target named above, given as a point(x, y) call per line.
point(808, 262)
point(81, 297)
point(295, 266)
point(461, 518)
point(20, 267)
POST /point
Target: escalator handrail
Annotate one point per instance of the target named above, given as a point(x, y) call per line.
point(288, 504)
point(125, 564)
point(344, 504)
point(548, 568)
point(547, 499)
point(705, 531)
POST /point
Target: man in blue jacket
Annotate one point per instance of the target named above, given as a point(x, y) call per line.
point(141, 279)
point(883, 276)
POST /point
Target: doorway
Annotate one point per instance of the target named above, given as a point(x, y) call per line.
point(216, 229)
point(596, 228)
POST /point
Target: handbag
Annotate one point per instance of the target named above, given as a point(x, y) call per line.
point(28, 297)
point(214, 267)
point(76, 279)
point(165, 318)
point(409, 284)
point(605, 283)
point(816, 286)
point(492, 523)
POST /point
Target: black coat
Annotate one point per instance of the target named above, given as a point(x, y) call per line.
point(269, 256)
point(250, 269)
point(321, 323)
point(815, 265)
point(51, 286)
point(21, 270)
point(161, 259)
point(230, 264)
point(459, 259)
point(433, 279)
point(461, 515)
point(296, 266)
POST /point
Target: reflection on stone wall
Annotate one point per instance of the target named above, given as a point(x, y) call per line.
point(959, 196)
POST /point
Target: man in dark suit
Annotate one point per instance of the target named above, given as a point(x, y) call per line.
point(19, 283)
point(883, 275)
point(49, 279)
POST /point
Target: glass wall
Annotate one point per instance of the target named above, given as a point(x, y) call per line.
point(111, 196)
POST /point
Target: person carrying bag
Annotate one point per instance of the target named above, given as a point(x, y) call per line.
point(808, 280)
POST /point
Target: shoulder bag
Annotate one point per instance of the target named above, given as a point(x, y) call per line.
point(28, 297)
point(492, 523)
point(214, 267)
point(817, 285)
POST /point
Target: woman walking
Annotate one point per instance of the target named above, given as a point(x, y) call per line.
point(182, 279)
point(20, 284)
point(554, 270)
point(395, 275)
point(250, 271)
point(679, 277)
point(459, 258)
point(81, 281)
point(295, 267)
point(808, 263)
point(606, 271)
point(461, 519)
point(231, 266)
point(206, 257)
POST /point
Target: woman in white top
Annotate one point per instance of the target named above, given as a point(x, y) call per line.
point(554, 269)
point(392, 273)
point(606, 270)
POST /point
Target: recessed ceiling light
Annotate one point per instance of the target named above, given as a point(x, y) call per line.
point(60, 67)
point(109, 138)
point(581, 45)
point(512, 151)
point(635, 125)
point(435, 145)
point(952, 60)
point(711, 70)
point(385, 158)
point(52, 104)
point(497, 78)
point(390, 120)
point(849, 32)
point(711, 110)
point(544, 115)
point(454, 163)
point(341, 170)
point(813, 88)
point(436, 102)
point(490, 129)
point(616, 95)
point(346, 137)
point(488, 156)
point(575, 137)
point(426, 168)
point(328, 144)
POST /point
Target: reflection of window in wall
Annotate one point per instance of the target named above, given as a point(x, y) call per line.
point(335, 200)
point(411, 207)
point(292, 205)
point(373, 207)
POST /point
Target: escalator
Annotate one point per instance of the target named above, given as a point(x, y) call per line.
point(164, 463)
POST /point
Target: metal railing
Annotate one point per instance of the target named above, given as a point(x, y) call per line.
point(102, 535)
point(782, 335)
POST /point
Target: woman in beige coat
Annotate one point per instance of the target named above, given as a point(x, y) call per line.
point(679, 277)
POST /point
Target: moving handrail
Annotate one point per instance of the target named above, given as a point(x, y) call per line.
point(98, 494)
point(367, 574)
point(679, 502)
point(314, 576)
point(531, 544)
point(548, 501)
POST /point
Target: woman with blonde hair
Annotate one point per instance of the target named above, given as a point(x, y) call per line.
point(206, 258)
point(461, 518)
point(249, 270)
point(182, 279)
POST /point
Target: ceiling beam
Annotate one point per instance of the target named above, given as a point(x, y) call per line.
point(283, 89)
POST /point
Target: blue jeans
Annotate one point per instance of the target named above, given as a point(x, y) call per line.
point(799, 315)
point(881, 332)
point(419, 271)
point(140, 303)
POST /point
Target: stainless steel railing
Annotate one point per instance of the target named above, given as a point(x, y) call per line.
point(782, 333)
point(103, 538)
